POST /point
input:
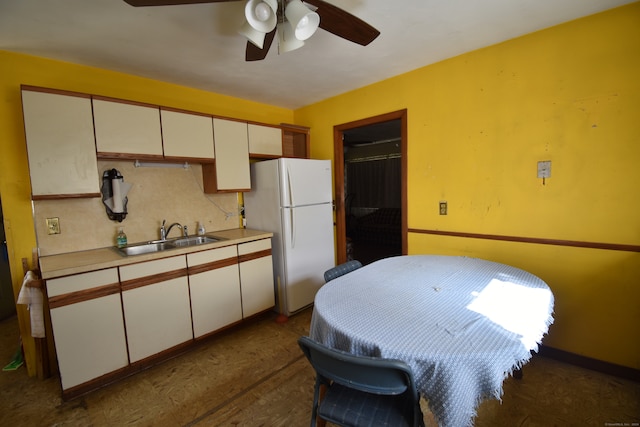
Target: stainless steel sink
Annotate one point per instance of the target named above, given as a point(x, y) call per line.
point(146, 248)
point(163, 245)
point(194, 240)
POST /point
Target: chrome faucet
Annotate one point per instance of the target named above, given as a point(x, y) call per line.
point(164, 232)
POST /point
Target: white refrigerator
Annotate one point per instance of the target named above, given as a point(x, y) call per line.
point(292, 198)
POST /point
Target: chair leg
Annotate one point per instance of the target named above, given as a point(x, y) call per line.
point(319, 421)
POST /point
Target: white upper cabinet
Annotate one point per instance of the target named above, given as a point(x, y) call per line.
point(127, 130)
point(265, 141)
point(60, 144)
point(232, 155)
point(186, 135)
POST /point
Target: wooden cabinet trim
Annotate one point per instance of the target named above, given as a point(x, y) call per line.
point(263, 156)
point(127, 156)
point(54, 91)
point(180, 110)
point(84, 295)
point(254, 255)
point(124, 101)
point(201, 268)
point(176, 159)
point(127, 285)
point(65, 196)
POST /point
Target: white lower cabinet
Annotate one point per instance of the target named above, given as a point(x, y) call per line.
point(155, 298)
point(256, 276)
point(215, 289)
point(108, 322)
point(86, 316)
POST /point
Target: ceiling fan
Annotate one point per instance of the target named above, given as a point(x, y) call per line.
point(293, 20)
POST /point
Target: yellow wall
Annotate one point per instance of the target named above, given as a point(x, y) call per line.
point(15, 191)
point(477, 126)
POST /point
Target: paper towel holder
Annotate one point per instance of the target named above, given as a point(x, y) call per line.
point(107, 195)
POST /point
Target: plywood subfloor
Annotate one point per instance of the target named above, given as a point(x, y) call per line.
point(255, 375)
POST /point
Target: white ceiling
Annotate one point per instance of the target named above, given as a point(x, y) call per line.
point(198, 46)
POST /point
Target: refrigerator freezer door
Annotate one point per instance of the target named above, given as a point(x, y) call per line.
point(305, 182)
point(307, 240)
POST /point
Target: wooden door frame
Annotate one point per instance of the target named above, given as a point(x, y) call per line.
point(338, 159)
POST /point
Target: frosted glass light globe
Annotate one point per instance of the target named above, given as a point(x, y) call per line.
point(262, 12)
point(303, 22)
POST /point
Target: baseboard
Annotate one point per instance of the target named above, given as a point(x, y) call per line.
point(589, 363)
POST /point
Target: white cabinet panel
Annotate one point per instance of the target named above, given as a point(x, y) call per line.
point(256, 277)
point(157, 315)
point(215, 293)
point(187, 135)
point(232, 155)
point(60, 144)
point(89, 339)
point(123, 128)
point(265, 140)
point(89, 335)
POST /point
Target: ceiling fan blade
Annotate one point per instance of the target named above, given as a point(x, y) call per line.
point(254, 53)
point(139, 3)
point(343, 24)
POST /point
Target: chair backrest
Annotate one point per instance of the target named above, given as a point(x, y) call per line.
point(368, 374)
point(342, 269)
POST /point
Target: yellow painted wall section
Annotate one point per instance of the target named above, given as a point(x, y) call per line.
point(477, 126)
point(15, 189)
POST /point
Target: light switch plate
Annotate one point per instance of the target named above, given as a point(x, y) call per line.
point(544, 169)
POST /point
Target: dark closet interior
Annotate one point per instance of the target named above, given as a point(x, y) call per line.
point(372, 179)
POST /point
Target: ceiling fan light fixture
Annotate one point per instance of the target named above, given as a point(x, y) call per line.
point(254, 36)
point(303, 20)
point(287, 41)
point(261, 14)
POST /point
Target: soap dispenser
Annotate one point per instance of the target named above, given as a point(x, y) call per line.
point(201, 230)
point(121, 238)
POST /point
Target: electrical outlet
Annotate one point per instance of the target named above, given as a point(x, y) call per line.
point(443, 208)
point(53, 225)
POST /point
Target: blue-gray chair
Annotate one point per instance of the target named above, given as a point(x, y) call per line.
point(342, 269)
point(361, 391)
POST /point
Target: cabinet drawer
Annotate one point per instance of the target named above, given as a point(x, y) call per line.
point(255, 246)
point(81, 282)
point(152, 268)
point(212, 255)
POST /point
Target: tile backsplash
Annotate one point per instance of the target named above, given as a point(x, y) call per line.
point(157, 193)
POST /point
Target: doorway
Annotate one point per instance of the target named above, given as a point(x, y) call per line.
point(7, 302)
point(371, 187)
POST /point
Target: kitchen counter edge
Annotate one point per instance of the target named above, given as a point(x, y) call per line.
point(66, 264)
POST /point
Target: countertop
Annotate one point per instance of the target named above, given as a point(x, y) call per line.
point(97, 259)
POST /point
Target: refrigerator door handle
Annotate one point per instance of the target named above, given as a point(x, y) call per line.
point(290, 187)
point(293, 228)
